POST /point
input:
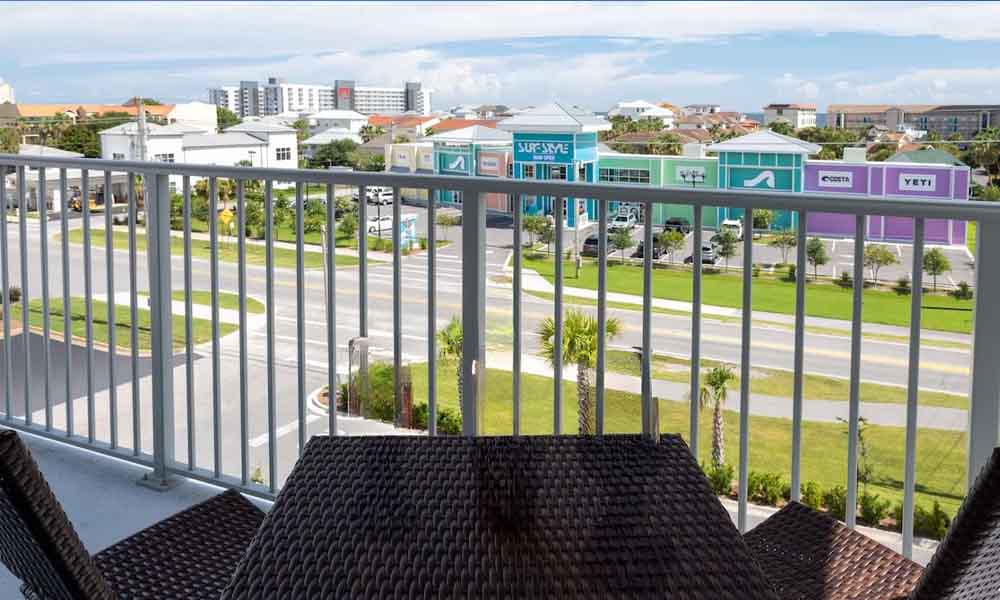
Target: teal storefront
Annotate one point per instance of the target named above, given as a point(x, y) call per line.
point(458, 153)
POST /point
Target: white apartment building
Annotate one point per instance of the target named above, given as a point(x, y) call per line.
point(798, 115)
point(281, 97)
point(251, 99)
point(701, 109)
point(390, 100)
point(640, 109)
point(227, 96)
point(6, 92)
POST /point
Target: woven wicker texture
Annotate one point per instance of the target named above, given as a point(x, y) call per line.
point(530, 517)
point(966, 565)
point(37, 542)
point(810, 556)
point(190, 555)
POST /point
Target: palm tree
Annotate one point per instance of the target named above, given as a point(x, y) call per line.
point(449, 341)
point(714, 390)
point(579, 346)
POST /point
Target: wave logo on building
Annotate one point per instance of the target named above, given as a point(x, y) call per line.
point(765, 177)
point(457, 163)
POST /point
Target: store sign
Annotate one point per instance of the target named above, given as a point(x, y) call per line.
point(916, 182)
point(760, 179)
point(344, 92)
point(425, 160)
point(402, 156)
point(455, 163)
point(543, 151)
point(691, 175)
point(490, 164)
point(835, 179)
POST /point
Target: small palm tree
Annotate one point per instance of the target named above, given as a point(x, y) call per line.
point(449, 341)
point(579, 346)
point(713, 390)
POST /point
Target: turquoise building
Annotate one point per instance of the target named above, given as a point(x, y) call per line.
point(472, 151)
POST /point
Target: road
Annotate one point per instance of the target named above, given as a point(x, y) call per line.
point(882, 361)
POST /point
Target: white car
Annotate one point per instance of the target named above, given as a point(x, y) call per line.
point(734, 226)
point(380, 196)
point(623, 221)
point(376, 224)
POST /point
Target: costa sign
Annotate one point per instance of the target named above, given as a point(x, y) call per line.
point(835, 179)
point(917, 182)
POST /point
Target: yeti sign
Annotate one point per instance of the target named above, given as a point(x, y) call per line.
point(917, 182)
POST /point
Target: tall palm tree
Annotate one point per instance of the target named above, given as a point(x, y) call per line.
point(449, 341)
point(579, 346)
point(713, 390)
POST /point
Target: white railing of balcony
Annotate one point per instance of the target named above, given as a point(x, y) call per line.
point(984, 405)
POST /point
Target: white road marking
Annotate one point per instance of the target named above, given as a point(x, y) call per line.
point(280, 432)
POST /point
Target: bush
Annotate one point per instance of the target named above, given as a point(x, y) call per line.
point(902, 286)
point(835, 500)
point(423, 243)
point(873, 508)
point(13, 294)
point(755, 271)
point(791, 273)
point(380, 402)
point(764, 488)
point(449, 421)
point(845, 280)
point(720, 479)
point(811, 494)
point(964, 292)
point(931, 523)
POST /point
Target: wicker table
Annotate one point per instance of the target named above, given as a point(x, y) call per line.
point(497, 517)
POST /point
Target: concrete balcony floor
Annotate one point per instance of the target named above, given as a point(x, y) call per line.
point(104, 503)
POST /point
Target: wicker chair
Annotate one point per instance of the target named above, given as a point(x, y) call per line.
point(810, 556)
point(189, 555)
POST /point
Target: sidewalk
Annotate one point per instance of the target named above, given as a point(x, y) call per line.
point(821, 411)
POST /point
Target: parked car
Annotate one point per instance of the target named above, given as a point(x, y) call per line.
point(376, 224)
point(623, 221)
point(708, 255)
point(380, 196)
point(677, 224)
point(657, 250)
point(121, 217)
point(733, 225)
point(591, 246)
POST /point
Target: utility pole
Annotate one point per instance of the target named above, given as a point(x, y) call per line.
point(142, 129)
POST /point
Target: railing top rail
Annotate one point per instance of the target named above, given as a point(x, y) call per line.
point(928, 208)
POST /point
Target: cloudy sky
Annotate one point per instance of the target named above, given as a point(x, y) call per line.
point(740, 55)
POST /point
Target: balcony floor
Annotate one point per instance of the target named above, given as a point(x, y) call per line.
point(101, 498)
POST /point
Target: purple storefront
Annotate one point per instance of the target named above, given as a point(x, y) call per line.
point(887, 180)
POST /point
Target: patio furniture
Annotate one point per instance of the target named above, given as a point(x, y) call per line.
point(190, 555)
point(497, 517)
point(810, 556)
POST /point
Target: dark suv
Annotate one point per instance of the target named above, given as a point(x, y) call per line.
point(590, 245)
point(677, 224)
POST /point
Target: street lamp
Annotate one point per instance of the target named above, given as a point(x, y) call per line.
point(252, 154)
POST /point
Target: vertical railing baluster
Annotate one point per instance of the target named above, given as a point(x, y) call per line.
point(133, 307)
point(67, 313)
point(602, 312)
point(984, 390)
point(799, 357)
point(473, 362)
point(516, 308)
point(854, 401)
point(43, 229)
point(213, 234)
point(331, 306)
point(557, 317)
point(300, 312)
point(22, 242)
point(272, 393)
point(431, 312)
point(109, 262)
point(88, 294)
point(397, 311)
point(746, 326)
point(649, 428)
point(189, 328)
point(913, 387)
point(362, 293)
point(695, 390)
point(8, 373)
point(241, 274)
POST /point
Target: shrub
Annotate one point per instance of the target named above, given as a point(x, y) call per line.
point(931, 523)
point(449, 421)
point(423, 243)
point(964, 292)
point(810, 494)
point(845, 280)
point(791, 273)
point(380, 402)
point(902, 286)
point(755, 271)
point(764, 488)
point(13, 294)
point(873, 508)
point(835, 500)
point(720, 478)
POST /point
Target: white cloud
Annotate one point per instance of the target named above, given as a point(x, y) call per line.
point(794, 89)
point(933, 85)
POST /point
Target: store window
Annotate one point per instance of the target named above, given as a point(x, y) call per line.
point(614, 175)
point(528, 172)
point(557, 172)
point(118, 156)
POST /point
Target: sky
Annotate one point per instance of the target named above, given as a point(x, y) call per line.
point(739, 55)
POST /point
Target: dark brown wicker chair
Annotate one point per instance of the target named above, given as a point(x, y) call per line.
point(809, 556)
point(190, 555)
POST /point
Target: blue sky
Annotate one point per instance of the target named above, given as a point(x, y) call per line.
point(740, 55)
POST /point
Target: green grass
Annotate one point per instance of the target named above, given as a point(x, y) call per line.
point(970, 237)
point(770, 294)
point(226, 300)
point(201, 328)
point(283, 258)
point(777, 382)
point(940, 454)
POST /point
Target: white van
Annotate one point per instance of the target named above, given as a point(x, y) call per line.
point(380, 195)
point(733, 226)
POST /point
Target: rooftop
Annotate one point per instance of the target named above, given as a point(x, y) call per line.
point(227, 138)
point(477, 134)
point(765, 141)
point(555, 118)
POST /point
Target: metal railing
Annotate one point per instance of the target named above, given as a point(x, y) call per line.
point(167, 254)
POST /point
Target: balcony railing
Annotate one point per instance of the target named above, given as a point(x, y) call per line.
point(152, 434)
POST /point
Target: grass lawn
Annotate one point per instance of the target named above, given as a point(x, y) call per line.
point(226, 300)
point(970, 236)
point(777, 382)
point(940, 454)
point(769, 294)
point(283, 258)
point(202, 328)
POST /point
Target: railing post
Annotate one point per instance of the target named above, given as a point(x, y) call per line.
point(473, 311)
point(161, 320)
point(984, 400)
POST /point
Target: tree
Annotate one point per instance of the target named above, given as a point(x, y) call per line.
point(816, 254)
point(762, 218)
point(447, 221)
point(727, 243)
point(339, 153)
point(781, 126)
point(579, 347)
point(369, 132)
point(985, 152)
point(226, 118)
point(429, 132)
point(534, 225)
point(301, 127)
point(878, 256)
point(348, 225)
point(783, 240)
point(401, 139)
point(713, 389)
point(665, 143)
point(449, 340)
point(832, 141)
point(990, 193)
point(670, 242)
point(254, 220)
point(936, 263)
point(82, 139)
point(314, 218)
point(282, 212)
point(10, 142)
point(547, 235)
point(621, 240)
point(134, 101)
